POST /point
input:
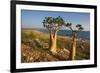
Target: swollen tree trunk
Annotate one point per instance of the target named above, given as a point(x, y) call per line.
point(53, 40)
point(74, 47)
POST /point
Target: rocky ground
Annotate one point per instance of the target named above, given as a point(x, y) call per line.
point(35, 48)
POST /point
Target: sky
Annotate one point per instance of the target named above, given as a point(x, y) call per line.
point(34, 18)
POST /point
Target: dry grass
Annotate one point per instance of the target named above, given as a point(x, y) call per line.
point(35, 48)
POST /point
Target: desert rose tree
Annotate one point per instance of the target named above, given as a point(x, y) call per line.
point(53, 25)
point(74, 37)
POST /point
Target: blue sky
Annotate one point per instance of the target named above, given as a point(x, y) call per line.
point(33, 18)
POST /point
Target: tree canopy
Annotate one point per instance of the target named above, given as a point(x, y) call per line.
point(53, 24)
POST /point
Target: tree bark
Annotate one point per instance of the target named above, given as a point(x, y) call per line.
point(73, 50)
point(53, 41)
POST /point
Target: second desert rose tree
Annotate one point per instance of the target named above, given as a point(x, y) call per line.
point(53, 25)
point(74, 37)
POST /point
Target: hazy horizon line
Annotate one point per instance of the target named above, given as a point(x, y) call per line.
point(45, 28)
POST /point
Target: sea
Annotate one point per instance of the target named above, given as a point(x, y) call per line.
point(84, 35)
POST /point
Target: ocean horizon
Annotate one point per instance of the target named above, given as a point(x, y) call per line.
point(85, 35)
